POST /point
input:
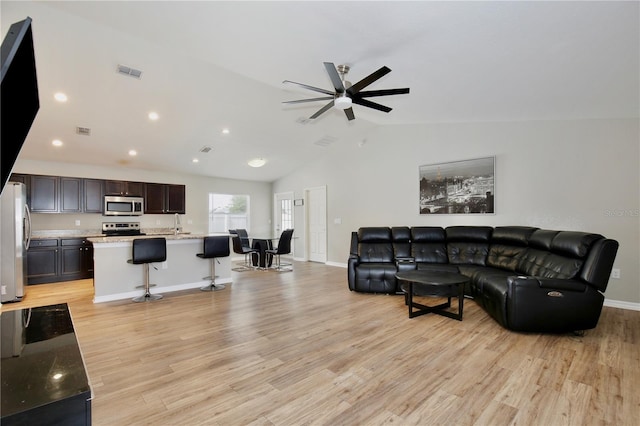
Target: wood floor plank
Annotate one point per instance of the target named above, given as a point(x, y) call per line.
point(300, 348)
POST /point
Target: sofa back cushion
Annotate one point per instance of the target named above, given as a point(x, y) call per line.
point(428, 244)
point(508, 243)
point(401, 237)
point(468, 245)
point(574, 244)
point(539, 263)
point(375, 245)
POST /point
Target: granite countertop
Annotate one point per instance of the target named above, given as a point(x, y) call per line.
point(169, 237)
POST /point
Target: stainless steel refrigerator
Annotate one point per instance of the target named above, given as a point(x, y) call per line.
point(16, 235)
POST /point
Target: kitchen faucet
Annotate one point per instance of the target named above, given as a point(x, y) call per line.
point(177, 226)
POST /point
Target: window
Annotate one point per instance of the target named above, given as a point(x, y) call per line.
point(228, 211)
point(286, 213)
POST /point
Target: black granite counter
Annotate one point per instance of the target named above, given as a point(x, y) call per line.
point(44, 380)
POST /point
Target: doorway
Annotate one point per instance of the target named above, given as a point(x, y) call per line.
point(283, 212)
point(316, 229)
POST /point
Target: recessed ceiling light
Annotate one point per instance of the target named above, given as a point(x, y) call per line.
point(257, 162)
point(153, 116)
point(60, 97)
point(225, 131)
point(133, 152)
point(195, 160)
point(56, 142)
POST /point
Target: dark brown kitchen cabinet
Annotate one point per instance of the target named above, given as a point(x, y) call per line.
point(59, 259)
point(43, 261)
point(76, 259)
point(124, 188)
point(163, 198)
point(93, 195)
point(43, 192)
point(16, 177)
point(71, 193)
point(154, 198)
point(176, 199)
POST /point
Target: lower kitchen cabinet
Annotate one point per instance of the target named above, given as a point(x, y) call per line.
point(59, 259)
point(43, 261)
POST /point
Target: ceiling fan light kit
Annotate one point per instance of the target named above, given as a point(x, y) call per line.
point(346, 94)
point(342, 102)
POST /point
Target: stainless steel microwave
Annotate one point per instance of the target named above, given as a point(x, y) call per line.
point(123, 206)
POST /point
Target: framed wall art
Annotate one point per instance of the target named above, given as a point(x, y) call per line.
point(458, 187)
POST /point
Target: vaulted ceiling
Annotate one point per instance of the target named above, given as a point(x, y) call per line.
point(209, 66)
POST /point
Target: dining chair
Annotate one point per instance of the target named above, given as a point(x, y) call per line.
point(238, 248)
point(284, 247)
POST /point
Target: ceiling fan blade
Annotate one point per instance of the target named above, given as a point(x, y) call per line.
point(335, 77)
point(306, 86)
point(322, 110)
point(349, 113)
point(368, 80)
point(386, 92)
point(324, 98)
point(370, 104)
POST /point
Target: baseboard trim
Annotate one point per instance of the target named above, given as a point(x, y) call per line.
point(159, 290)
point(337, 264)
point(622, 304)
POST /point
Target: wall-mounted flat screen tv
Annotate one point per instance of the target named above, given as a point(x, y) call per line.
point(18, 92)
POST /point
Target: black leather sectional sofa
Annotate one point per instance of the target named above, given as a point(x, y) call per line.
point(527, 279)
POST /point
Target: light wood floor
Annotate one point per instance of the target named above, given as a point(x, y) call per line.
point(300, 348)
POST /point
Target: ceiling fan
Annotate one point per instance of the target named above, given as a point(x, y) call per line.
point(346, 94)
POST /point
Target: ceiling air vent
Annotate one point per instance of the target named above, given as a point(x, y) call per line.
point(84, 131)
point(131, 72)
point(205, 149)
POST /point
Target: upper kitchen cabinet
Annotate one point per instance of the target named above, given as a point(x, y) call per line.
point(176, 202)
point(93, 195)
point(43, 192)
point(70, 195)
point(123, 188)
point(162, 198)
point(79, 195)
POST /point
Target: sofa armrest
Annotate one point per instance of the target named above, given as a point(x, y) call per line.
point(551, 305)
point(352, 262)
point(546, 283)
point(405, 263)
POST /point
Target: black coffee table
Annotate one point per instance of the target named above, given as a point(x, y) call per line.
point(435, 284)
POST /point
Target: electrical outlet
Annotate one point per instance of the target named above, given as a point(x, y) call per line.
point(77, 222)
point(4, 289)
point(158, 222)
point(165, 265)
point(615, 273)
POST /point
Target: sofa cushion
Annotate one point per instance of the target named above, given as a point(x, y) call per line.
point(376, 278)
point(542, 238)
point(375, 245)
point(401, 237)
point(574, 244)
point(538, 263)
point(460, 253)
point(428, 244)
point(469, 233)
point(512, 235)
point(504, 256)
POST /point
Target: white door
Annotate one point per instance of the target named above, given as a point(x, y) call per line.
point(283, 212)
point(317, 224)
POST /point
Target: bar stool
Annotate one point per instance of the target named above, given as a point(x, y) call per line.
point(146, 251)
point(214, 247)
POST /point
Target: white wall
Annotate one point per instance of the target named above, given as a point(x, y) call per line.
point(578, 175)
point(197, 197)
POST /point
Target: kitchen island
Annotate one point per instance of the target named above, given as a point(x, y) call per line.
point(115, 279)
